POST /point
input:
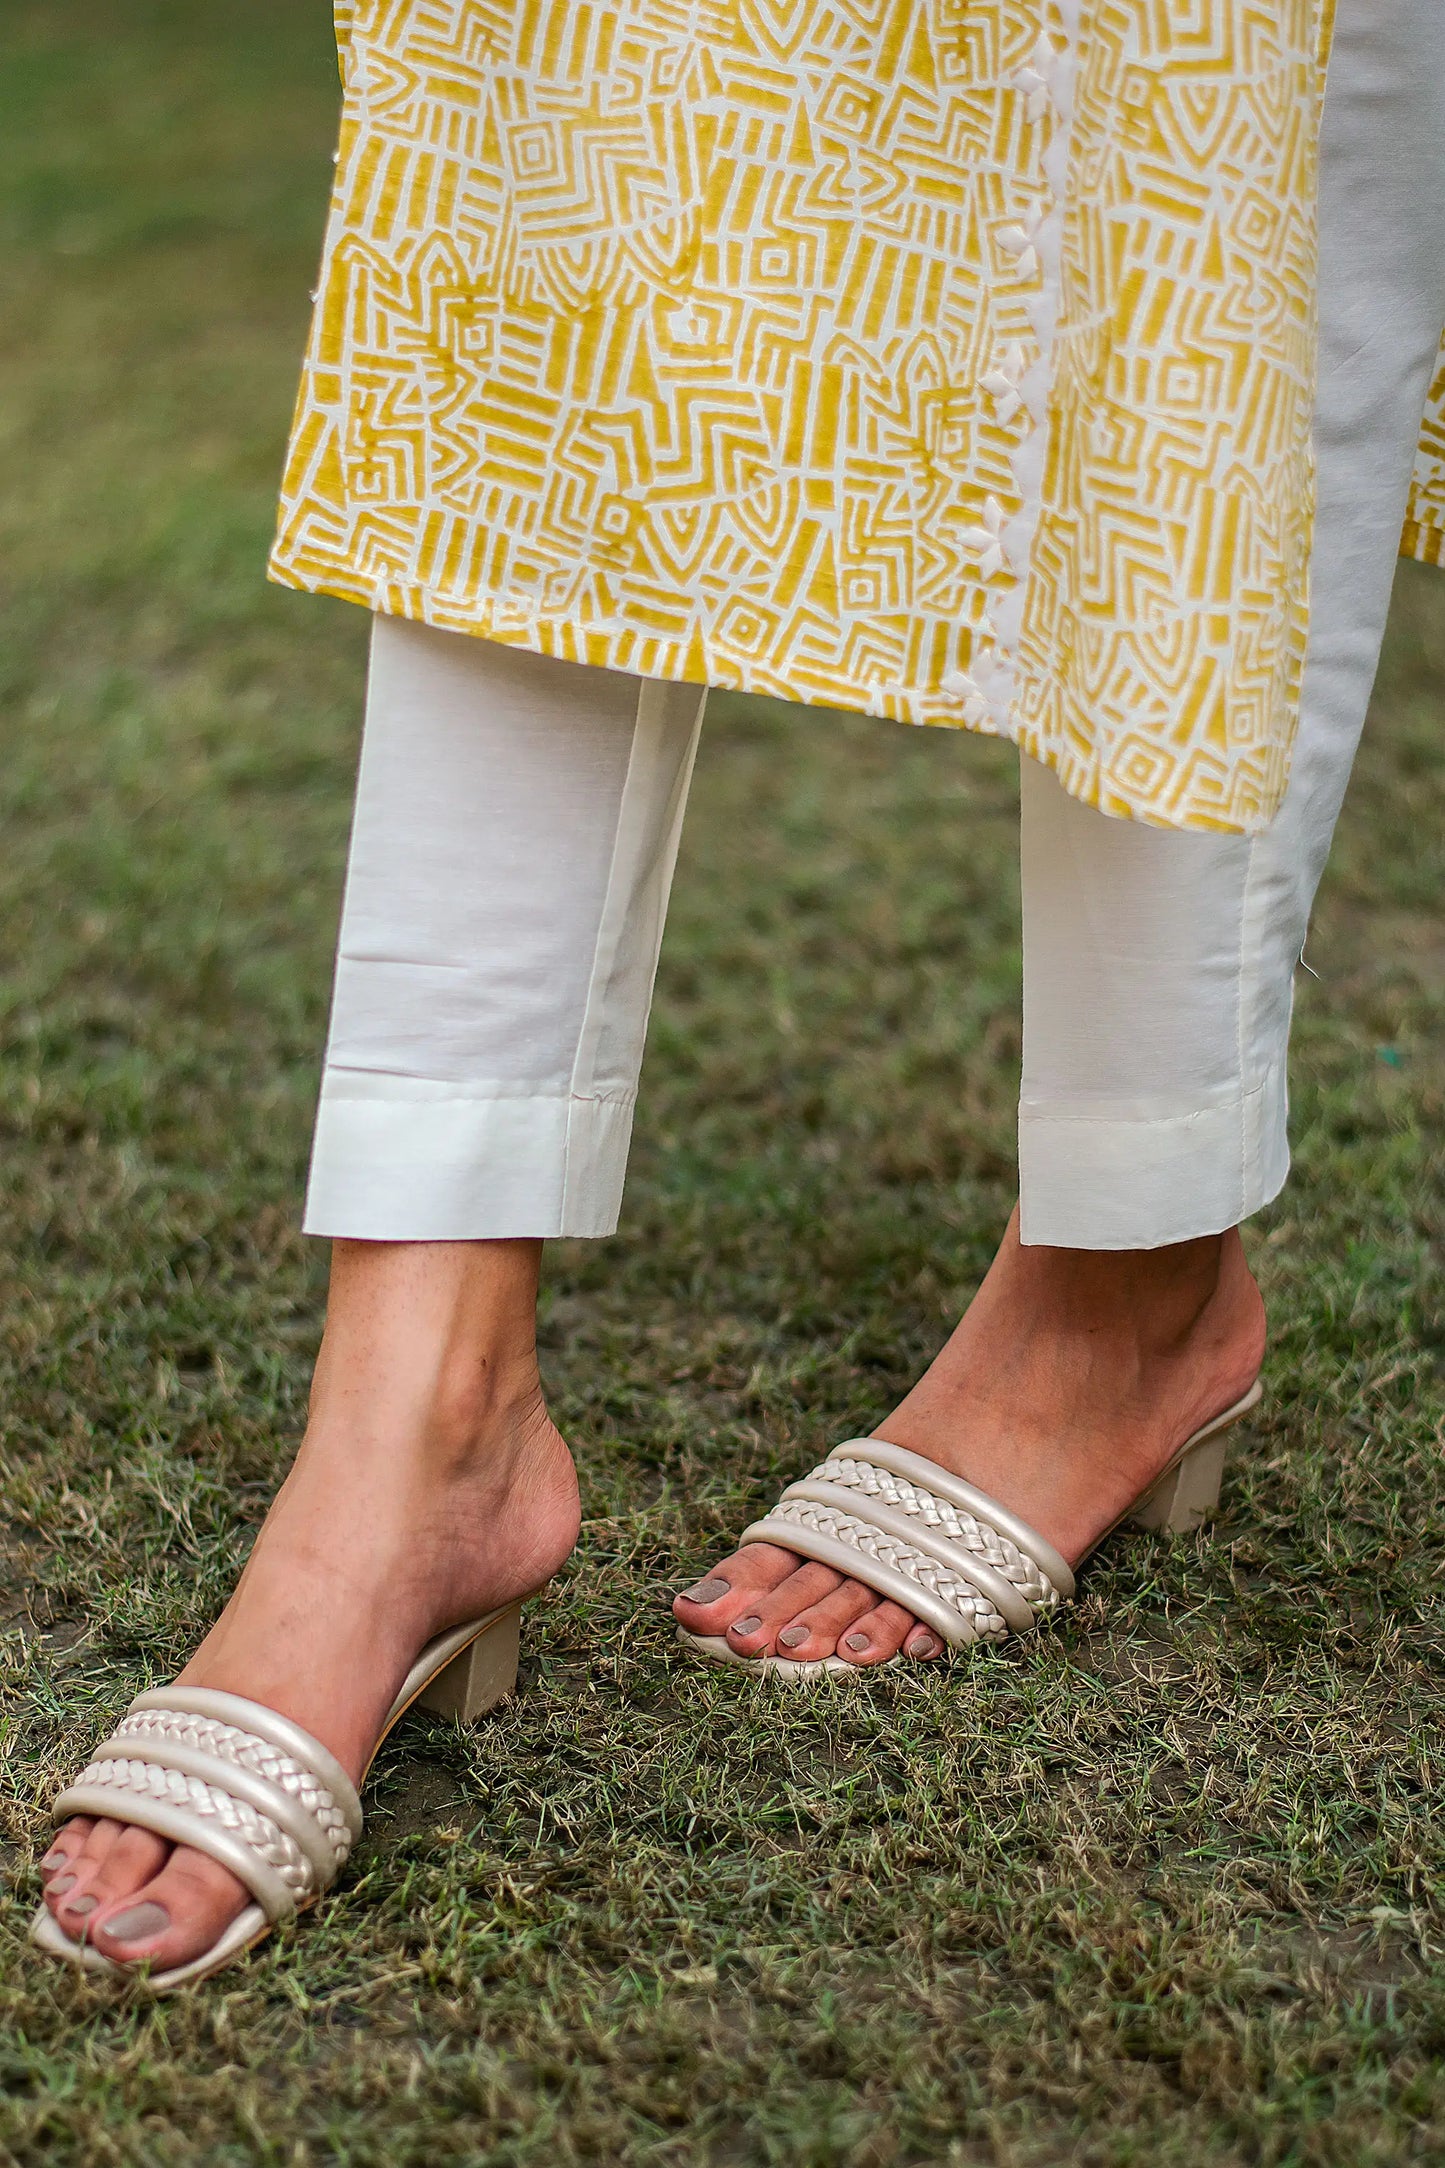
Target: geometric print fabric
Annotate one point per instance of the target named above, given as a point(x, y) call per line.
point(1165, 634)
point(947, 359)
point(1425, 525)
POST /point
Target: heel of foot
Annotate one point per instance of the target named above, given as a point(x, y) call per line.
point(483, 1674)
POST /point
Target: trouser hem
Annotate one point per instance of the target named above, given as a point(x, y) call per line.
point(1102, 1181)
point(412, 1160)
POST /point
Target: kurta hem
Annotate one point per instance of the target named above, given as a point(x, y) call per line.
point(957, 366)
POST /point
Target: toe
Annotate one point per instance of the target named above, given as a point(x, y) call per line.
point(68, 1893)
point(175, 1917)
point(65, 1847)
point(135, 1857)
point(925, 1643)
point(877, 1634)
point(817, 1631)
point(729, 1591)
point(755, 1633)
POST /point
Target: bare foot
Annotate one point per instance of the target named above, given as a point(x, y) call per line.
point(430, 1487)
point(1073, 1378)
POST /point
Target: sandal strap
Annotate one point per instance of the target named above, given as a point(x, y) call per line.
point(941, 1548)
point(952, 1606)
point(258, 1808)
point(318, 1765)
point(975, 1520)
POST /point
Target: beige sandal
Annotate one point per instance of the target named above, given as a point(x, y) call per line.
point(958, 1560)
point(255, 1792)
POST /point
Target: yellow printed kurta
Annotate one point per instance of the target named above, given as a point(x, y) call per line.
point(948, 359)
point(1425, 525)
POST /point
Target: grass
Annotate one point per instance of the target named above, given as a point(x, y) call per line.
point(1162, 1885)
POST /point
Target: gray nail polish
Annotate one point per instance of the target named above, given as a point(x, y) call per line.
point(926, 1647)
point(857, 1641)
point(793, 1637)
point(745, 1626)
point(52, 1863)
point(141, 1924)
point(82, 1905)
point(710, 1591)
point(62, 1882)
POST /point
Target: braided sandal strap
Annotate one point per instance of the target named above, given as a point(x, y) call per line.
point(985, 1541)
point(245, 1750)
point(881, 1561)
point(224, 1788)
point(942, 1549)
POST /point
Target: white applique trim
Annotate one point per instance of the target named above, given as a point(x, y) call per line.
point(1019, 389)
point(986, 542)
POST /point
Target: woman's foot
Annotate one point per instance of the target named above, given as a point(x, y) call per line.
point(1073, 1378)
point(430, 1488)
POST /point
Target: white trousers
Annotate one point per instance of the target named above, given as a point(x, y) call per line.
point(517, 823)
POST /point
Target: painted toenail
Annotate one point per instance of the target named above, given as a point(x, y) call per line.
point(52, 1862)
point(82, 1905)
point(856, 1641)
point(141, 1924)
point(793, 1637)
point(925, 1646)
point(711, 1591)
point(745, 1626)
point(63, 1882)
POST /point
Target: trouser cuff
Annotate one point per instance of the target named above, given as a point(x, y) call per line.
point(1102, 1178)
point(409, 1159)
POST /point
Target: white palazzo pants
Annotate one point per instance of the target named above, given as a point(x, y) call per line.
point(517, 823)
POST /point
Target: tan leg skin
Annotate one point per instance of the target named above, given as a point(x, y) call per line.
point(1072, 1379)
point(430, 1487)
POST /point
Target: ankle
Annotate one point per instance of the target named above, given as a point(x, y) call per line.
point(491, 1413)
point(1072, 1327)
point(1191, 1298)
point(430, 1343)
point(1168, 1288)
point(1153, 1300)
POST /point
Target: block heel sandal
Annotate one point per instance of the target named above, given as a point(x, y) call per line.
point(255, 1792)
point(963, 1564)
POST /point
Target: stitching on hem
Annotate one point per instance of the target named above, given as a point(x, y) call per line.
point(481, 1099)
point(1226, 1108)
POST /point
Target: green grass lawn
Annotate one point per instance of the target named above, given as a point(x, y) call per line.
point(1161, 1885)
